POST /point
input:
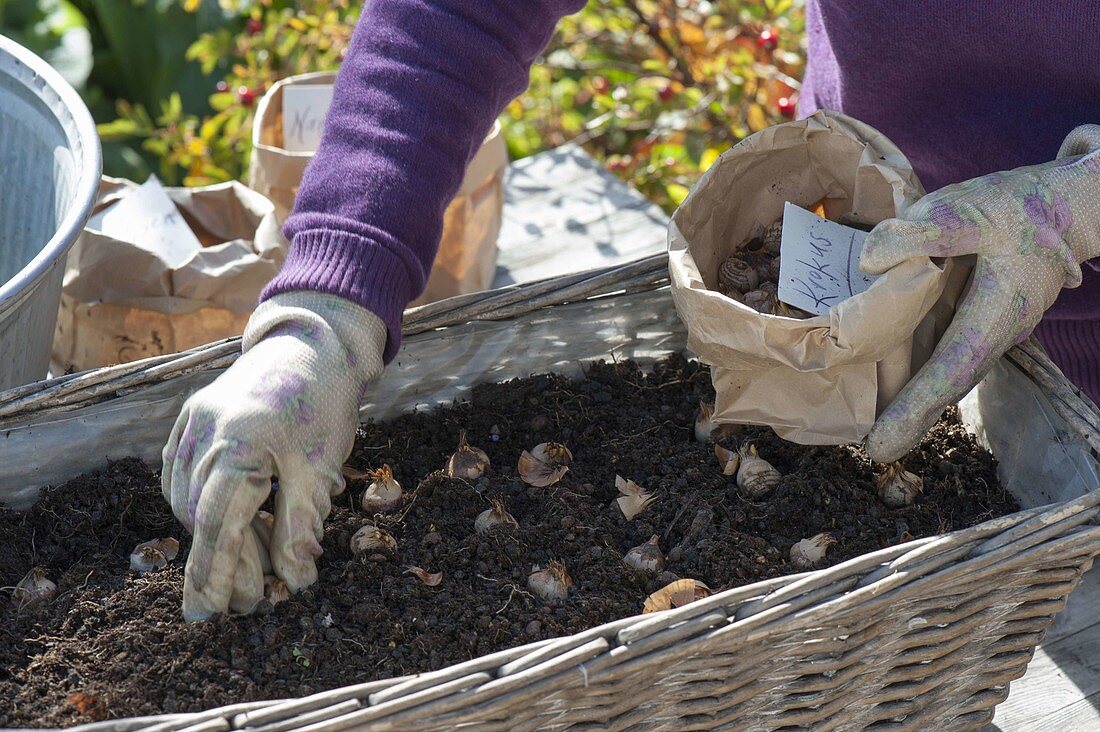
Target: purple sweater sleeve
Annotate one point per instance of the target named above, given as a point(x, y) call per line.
point(421, 85)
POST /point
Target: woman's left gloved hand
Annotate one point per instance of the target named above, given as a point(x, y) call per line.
point(287, 408)
point(1030, 229)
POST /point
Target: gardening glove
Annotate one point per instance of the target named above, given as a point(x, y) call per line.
point(288, 408)
point(1030, 229)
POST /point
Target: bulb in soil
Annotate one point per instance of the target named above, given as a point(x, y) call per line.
point(372, 542)
point(773, 237)
point(33, 589)
point(147, 559)
point(645, 557)
point(737, 275)
point(167, 546)
point(756, 476)
point(152, 555)
point(704, 424)
point(275, 591)
point(467, 462)
point(551, 584)
point(494, 518)
point(676, 594)
point(897, 487)
point(430, 579)
point(384, 493)
point(545, 464)
point(633, 499)
point(809, 552)
point(728, 460)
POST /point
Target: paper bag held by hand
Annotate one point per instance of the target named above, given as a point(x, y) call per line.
point(819, 379)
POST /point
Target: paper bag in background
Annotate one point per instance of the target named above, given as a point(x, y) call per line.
point(821, 380)
point(121, 302)
point(466, 261)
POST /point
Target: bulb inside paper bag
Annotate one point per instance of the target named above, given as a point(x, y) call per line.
point(750, 274)
point(816, 380)
point(798, 267)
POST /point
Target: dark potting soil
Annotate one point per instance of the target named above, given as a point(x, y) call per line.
point(113, 644)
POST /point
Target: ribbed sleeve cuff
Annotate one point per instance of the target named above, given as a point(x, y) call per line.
point(353, 267)
point(1075, 346)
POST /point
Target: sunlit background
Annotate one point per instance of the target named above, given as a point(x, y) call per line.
point(655, 89)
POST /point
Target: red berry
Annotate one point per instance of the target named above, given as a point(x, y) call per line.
point(618, 164)
point(665, 93)
point(222, 87)
point(601, 85)
point(253, 26)
point(767, 39)
point(246, 96)
point(786, 107)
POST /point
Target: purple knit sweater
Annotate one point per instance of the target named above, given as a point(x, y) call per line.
point(962, 88)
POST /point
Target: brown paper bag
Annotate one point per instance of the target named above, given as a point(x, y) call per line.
point(821, 380)
point(466, 261)
point(121, 303)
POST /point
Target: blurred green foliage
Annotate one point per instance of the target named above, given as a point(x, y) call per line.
point(659, 88)
point(656, 89)
point(56, 30)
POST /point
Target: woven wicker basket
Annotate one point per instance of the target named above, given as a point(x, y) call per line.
point(926, 635)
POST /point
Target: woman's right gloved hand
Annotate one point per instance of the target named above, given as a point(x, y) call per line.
point(1030, 228)
point(288, 408)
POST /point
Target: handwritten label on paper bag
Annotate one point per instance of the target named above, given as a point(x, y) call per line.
point(304, 110)
point(819, 261)
point(147, 218)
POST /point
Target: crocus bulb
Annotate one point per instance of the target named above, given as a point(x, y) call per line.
point(384, 493)
point(430, 579)
point(704, 424)
point(153, 554)
point(634, 498)
point(773, 237)
point(545, 464)
point(33, 589)
point(897, 487)
point(372, 541)
point(275, 591)
point(147, 559)
point(784, 310)
point(467, 462)
point(727, 459)
point(645, 557)
point(756, 476)
point(676, 594)
point(551, 584)
point(496, 517)
point(809, 552)
point(760, 300)
point(167, 546)
point(737, 276)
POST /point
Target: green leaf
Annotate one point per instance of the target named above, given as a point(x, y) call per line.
point(676, 192)
point(118, 129)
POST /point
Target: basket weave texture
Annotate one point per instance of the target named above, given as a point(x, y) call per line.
point(925, 635)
